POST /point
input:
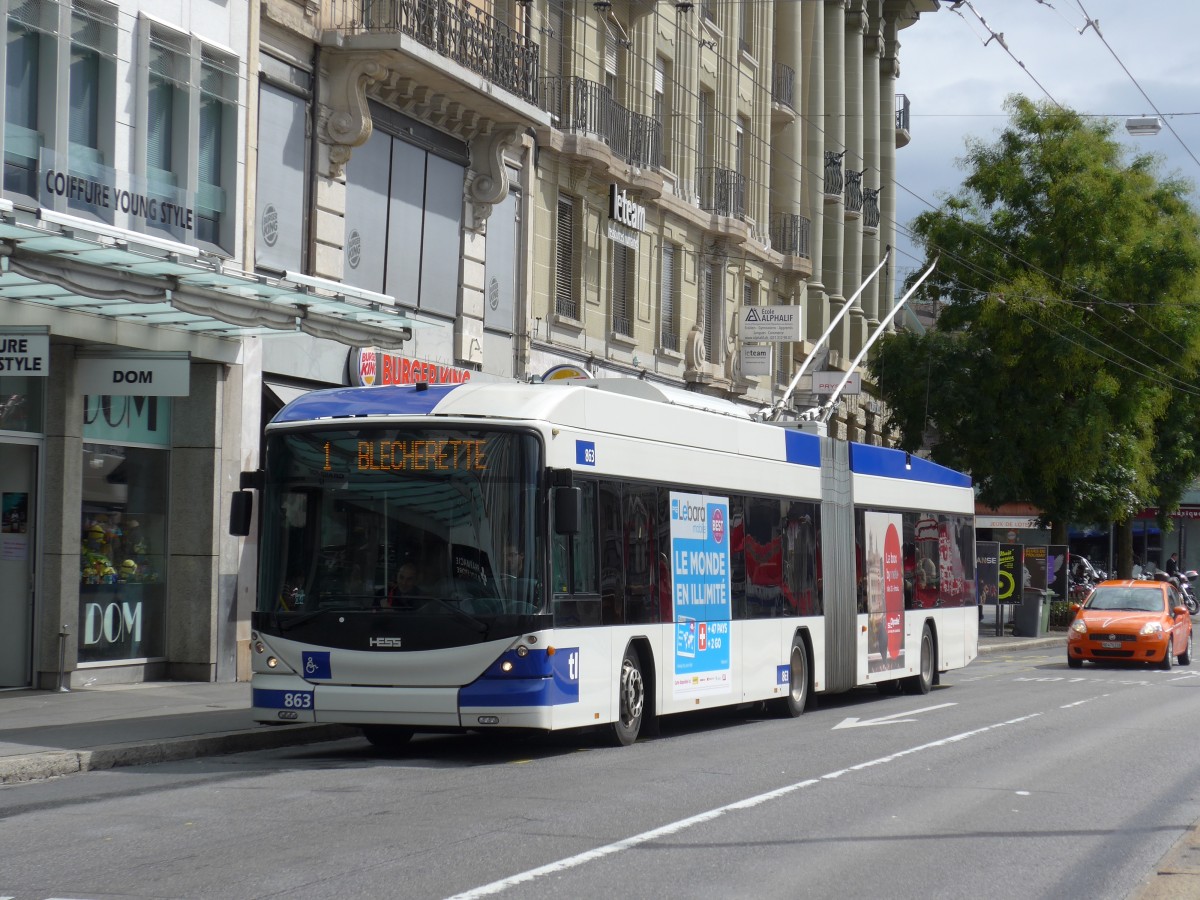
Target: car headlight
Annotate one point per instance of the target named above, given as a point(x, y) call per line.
point(1151, 628)
point(1079, 626)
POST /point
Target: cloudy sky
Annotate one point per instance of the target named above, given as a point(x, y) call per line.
point(956, 85)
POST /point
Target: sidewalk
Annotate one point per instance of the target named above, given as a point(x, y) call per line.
point(49, 733)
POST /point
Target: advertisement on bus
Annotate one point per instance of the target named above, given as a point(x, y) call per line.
point(701, 593)
point(885, 592)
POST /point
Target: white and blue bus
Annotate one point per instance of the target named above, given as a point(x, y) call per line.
point(589, 553)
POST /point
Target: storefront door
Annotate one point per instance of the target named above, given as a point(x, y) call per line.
point(18, 478)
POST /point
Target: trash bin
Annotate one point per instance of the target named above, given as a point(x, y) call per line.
point(1032, 616)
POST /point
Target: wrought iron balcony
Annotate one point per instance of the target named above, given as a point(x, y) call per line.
point(901, 112)
point(783, 85)
point(790, 234)
point(854, 194)
point(833, 173)
point(871, 207)
point(722, 191)
point(459, 31)
point(580, 106)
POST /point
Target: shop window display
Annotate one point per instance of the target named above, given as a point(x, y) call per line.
point(122, 553)
point(21, 403)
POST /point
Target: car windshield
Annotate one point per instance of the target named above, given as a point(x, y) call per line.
point(410, 521)
point(1140, 599)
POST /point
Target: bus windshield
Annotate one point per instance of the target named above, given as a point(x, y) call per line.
point(410, 521)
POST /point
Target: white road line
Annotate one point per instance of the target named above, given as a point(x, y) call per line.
point(571, 862)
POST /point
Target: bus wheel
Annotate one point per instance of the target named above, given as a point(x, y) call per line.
point(387, 737)
point(797, 697)
point(923, 680)
point(632, 700)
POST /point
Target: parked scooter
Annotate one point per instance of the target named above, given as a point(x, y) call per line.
point(1187, 587)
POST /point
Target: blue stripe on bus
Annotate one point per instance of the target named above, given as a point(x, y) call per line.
point(866, 459)
point(537, 679)
point(364, 401)
point(802, 448)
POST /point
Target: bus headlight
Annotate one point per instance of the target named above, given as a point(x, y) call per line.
point(506, 666)
point(522, 651)
point(272, 662)
point(260, 647)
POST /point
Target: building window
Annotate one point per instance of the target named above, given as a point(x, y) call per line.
point(280, 194)
point(123, 529)
point(623, 262)
point(30, 30)
point(90, 91)
point(403, 226)
point(669, 301)
point(664, 111)
point(216, 155)
point(746, 26)
point(565, 302)
point(783, 354)
point(704, 136)
point(714, 301)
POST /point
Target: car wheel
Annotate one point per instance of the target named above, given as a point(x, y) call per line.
point(1185, 658)
point(387, 737)
point(797, 697)
point(631, 693)
point(1168, 657)
point(1074, 662)
point(923, 680)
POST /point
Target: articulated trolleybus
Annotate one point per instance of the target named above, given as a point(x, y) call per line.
point(589, 553)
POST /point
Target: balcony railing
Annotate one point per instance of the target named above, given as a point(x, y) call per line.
point(461, 32)
point(790, 234)
point(587, 107)
point(871, 207)
point(901, 112)
point(783, 86)
point(854, 194)
point(722, 191)
point(833, 172)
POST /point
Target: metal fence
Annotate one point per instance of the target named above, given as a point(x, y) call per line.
point(783, 86)
point(722, 191)
point(790, 234)
point(901, 112)
point(463, 33)
point(587, 107)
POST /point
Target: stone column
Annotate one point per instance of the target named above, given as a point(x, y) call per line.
point(889, 69)
point(812, 31)
point(61, 527)
point(856, 20)
point(193, 529)
point(834, 125)
point(871, 143)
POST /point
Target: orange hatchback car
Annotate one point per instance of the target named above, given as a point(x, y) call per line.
point(1134, 621)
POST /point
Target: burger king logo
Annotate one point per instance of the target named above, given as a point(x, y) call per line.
point(367, 363)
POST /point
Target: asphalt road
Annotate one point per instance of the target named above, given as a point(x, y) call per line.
point(1017, 778)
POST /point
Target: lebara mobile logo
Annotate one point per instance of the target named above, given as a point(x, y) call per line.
point(718, 525)
point(367, 364)
point(682, 511)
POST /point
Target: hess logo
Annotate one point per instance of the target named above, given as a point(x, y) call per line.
point(393, 642)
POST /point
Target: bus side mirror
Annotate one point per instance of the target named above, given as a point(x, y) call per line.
point(568, 510)
point(241, 510)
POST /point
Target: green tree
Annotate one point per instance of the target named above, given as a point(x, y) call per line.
point(1067, 279)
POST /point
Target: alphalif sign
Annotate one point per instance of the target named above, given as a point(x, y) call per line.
point(770, 323)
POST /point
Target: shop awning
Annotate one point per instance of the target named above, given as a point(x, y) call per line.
point(66, 262)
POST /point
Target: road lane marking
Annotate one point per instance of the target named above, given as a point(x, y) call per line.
point(893, 719)
point(579, 859)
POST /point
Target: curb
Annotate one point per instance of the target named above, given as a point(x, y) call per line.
point(1023, 644)
point(53, 763)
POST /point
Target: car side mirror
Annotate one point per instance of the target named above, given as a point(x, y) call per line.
point(1181, 611)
